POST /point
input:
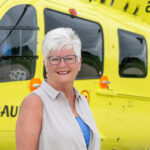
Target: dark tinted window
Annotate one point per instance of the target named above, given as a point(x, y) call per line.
point(90, 34)
point(18, 35)
point(132, 55)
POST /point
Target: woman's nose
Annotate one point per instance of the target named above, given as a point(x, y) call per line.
point(62, 62)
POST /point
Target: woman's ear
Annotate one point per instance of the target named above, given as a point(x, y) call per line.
point(45, 64)
point(45, 69)
point(80, 62)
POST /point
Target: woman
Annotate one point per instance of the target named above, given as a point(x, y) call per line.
point(56, 116)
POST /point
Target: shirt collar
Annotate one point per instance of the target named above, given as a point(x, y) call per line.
point(52, 92)
point(78, 95)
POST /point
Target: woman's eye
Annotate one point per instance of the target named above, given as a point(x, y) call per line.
point(55, 59)
point(69, 58)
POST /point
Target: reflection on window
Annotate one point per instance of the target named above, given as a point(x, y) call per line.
point(132, 55)
point(18, 34)
point(90, 34)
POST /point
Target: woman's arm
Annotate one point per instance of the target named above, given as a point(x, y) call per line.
point(29, 123)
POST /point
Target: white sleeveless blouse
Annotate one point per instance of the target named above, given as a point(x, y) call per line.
point(60, 130)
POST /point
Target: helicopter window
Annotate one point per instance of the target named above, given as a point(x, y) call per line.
point(18, 32)
point(90, 34)
point(133, 55)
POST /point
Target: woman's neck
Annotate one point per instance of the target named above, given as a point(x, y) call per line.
point(67, 88)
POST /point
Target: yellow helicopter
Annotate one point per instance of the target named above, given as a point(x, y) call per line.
point(115, 72)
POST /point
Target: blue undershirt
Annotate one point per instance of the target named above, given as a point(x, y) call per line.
point(85, 130)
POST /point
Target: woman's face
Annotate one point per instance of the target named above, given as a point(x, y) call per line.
point(62, 73)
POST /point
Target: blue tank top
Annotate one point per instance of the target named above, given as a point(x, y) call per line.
point(85, 130)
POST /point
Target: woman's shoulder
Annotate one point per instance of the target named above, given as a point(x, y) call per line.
point(32, 104)
point(33, 98)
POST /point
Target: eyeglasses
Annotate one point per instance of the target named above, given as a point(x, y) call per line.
point(55, 60)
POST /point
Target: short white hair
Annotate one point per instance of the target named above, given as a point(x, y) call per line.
point(58, 38)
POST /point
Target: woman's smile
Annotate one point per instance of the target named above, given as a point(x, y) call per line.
point(63, 72)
